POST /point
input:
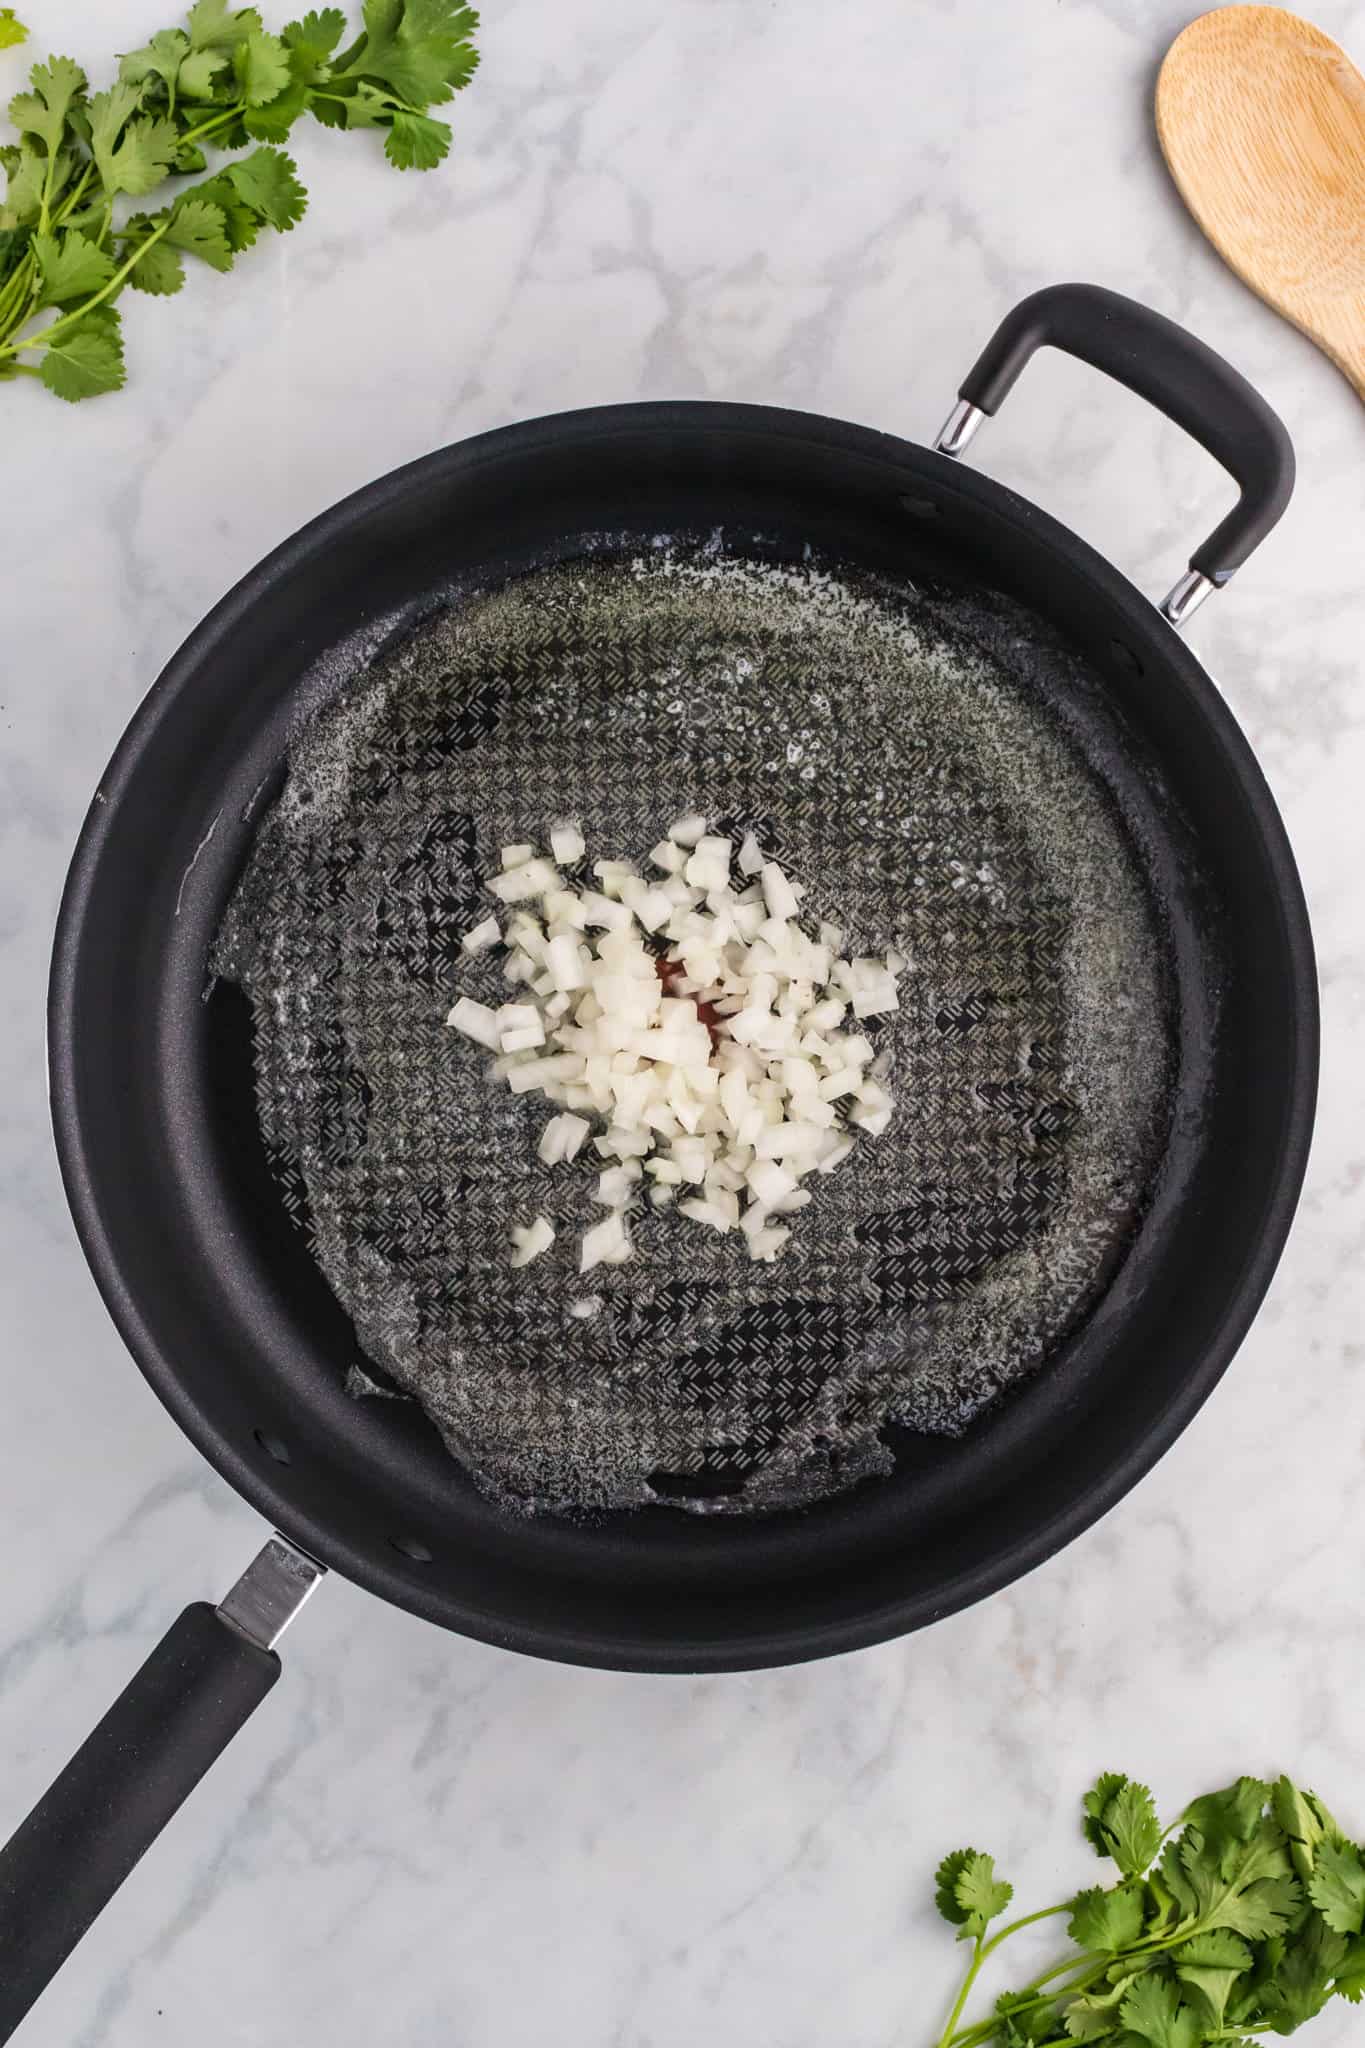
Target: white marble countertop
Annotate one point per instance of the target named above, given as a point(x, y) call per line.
point(419, 1841)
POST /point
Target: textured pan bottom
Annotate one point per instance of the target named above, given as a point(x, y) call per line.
point(901, 754)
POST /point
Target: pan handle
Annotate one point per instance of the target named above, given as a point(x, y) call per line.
point(202, 1682)
point(1176, 373)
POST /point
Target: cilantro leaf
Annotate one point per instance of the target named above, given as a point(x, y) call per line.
point(262, 64)
point(158, 270)
point(272, 122)
point(1260, 1910)
point(1228, 1818)
point(214, 26)
point(416, 142)
point(1219, 1949)
point(981, 1894)
point(1083, 2023)
point(12, 32)
point(312, 40)
point(110, 113)
point(1154, 2010)
point(1095, 2012)
point(1246, 1886)
point(149, 147)
point(57, 85)
point(266, 182)
point(945, 1885)
point(1105, 1787)
point(320, 30)
point(199, 227)
point(132, 151)
point(71, 267)
point(366, 107)
point(1131, 1823)
point(27, 175)
point(1120, 1821)
point(465, 61)
point(1209, 1966)
point(1351, 1973)
point(240, 224)
point(1305, 1821)
point(86, 358)
point(418, 47)
point(1106, 1921)
point(1302, 1983)
point(160, 58)
point(198, 72)
point(1337, 1887)
point(968, 1893)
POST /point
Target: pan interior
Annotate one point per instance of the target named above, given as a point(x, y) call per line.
point(942, 779)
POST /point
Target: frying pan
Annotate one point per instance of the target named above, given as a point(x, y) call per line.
point(241, 1338)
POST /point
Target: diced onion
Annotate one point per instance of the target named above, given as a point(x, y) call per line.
point(530, 1240)
point(606, 1244)
point(478, 1022)
point(721, 1111)
point(566, 844)
point(562, 1137)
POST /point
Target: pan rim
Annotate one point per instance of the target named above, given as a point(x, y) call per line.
point(757, 1649)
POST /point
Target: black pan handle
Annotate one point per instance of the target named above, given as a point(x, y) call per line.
point(202, 1682)
point(1180, 376)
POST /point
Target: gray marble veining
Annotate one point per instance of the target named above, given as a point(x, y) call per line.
point(421, 1842)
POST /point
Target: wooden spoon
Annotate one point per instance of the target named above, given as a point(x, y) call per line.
point(1262, 122)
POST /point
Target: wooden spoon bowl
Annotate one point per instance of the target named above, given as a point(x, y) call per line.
point(1261, 118)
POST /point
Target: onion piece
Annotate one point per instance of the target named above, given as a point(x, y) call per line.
point(778, 892)
point(563, 1137)
point(567, 844)
point(478, 1022)
point(530, 1240)
point(606, 1244)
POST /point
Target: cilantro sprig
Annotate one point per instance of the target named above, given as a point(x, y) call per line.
point(1242, 1919)
point(72, 234)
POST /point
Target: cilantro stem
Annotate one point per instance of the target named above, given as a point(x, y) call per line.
point(980, 1954)
point(973, 1971)
point(46, 200)
point(18, 294)
point(1028, 1920)
point(72, 198)
point(45, 335)
point(220, 120)
point(391, 99)
point(1080, 1971)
